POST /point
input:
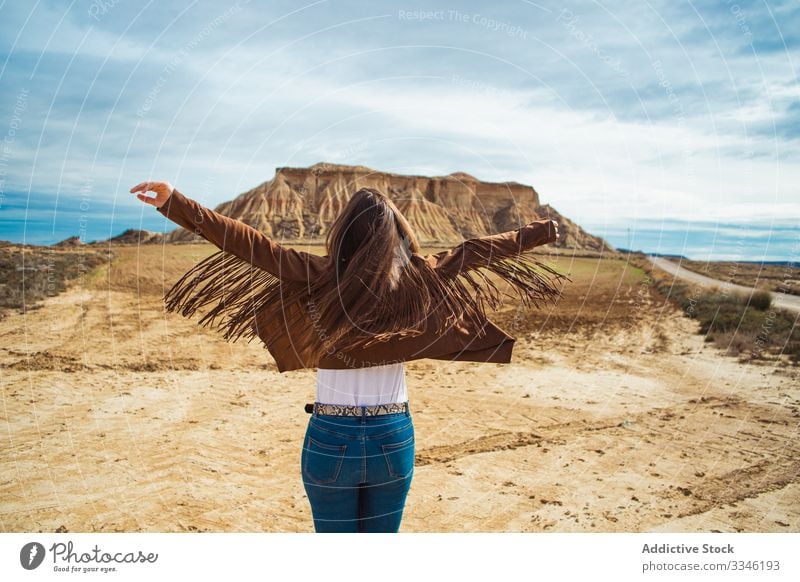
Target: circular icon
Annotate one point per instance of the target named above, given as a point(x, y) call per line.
point(31, 555)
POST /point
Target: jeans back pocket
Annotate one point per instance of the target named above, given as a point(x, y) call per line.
point(399, 457)
point(321, 461)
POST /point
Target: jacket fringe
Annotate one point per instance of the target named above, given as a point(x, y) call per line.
point(239, 290)
point(249, 302)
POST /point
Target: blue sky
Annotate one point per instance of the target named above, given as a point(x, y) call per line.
point(621, 114)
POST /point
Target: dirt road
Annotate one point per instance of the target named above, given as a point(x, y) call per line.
point(781, 300)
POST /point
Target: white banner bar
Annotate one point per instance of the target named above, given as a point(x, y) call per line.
point(334, 557)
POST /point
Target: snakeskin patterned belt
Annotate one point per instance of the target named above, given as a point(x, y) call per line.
point(350, 410)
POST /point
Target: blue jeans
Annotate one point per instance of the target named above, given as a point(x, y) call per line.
point(357, 470)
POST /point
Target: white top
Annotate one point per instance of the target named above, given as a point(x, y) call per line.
point(362, 386)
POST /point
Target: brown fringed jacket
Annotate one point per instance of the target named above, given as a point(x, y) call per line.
point(263, 288)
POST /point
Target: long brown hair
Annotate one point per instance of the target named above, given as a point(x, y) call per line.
point(370, 290)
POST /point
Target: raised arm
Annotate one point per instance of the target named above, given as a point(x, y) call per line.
point(235, 237)
point(481, 251)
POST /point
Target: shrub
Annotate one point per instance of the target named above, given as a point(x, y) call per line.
point(761, 300)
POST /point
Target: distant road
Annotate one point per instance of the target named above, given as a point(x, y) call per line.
point(782, 300)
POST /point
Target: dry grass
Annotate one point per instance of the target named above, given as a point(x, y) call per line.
point(30, 274)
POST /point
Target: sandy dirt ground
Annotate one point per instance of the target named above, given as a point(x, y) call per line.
point(119, 417)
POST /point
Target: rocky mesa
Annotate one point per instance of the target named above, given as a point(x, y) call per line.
point(299, 205)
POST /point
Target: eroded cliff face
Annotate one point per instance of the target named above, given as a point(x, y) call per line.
point(300, 204)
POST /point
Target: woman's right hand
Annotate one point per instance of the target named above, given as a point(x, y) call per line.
point(163, 191)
